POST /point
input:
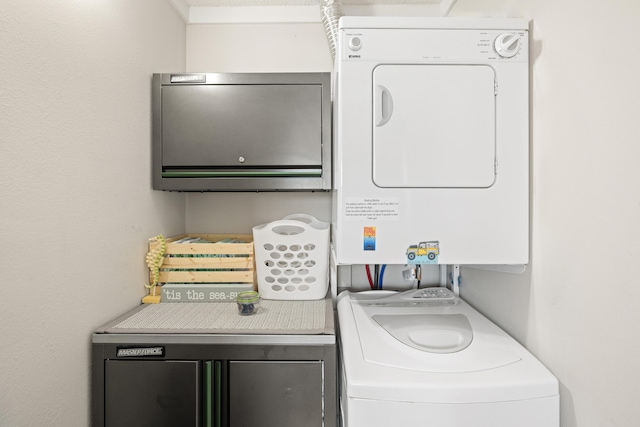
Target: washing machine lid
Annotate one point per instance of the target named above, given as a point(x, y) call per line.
point(433, 333)
point(429, 336)
point(378, 366)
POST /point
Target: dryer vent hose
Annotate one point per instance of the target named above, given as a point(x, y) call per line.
point(331, 11)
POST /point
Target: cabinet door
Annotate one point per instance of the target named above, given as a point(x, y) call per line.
point(282, 394)
point(266, 125)
point(152, 393)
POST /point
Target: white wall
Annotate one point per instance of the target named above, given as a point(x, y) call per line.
point(76, 205)
point(576, 305)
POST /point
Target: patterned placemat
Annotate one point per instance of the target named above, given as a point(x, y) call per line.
point(273, 317)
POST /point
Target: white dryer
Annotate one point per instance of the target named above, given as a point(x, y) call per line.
point(426, 358)
point(431, 126)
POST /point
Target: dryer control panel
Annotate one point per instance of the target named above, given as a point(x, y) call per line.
point(438, 45)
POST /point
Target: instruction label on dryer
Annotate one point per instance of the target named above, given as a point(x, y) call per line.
point(372, 209)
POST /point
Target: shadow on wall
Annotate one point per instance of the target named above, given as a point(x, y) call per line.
point(567, 409)
point(504, 298)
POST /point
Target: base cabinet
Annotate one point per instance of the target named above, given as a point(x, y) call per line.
point(209, 385)
point(275, 393)
point(152, 393)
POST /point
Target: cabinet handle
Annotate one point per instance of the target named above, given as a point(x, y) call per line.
point(217, 411)
point(213, 394)
point(207, 393)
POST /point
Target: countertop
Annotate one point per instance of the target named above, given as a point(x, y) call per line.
point(276, 322)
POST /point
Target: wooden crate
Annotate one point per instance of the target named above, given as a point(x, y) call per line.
point(207, 262)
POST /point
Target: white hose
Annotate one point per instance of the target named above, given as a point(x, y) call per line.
point(331, 11)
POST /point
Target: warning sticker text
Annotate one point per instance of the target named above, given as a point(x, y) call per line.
point(372, 209)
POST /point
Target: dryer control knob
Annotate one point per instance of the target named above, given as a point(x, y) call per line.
point(507, 45)
point(355, 43)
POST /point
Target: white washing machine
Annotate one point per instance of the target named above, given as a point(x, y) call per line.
point(431, 147)
point(426, 358)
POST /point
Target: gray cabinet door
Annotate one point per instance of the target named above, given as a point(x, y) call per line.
point(270, 394)
point(263, 124)
point(152, 393)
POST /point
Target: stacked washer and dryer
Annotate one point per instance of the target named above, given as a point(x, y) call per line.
point(431, 163)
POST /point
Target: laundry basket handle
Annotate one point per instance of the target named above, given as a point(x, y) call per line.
point(307, 219)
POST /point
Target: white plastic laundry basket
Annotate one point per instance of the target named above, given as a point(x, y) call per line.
point(292, 258)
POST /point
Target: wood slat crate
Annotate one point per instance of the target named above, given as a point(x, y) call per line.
point(207, 262)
